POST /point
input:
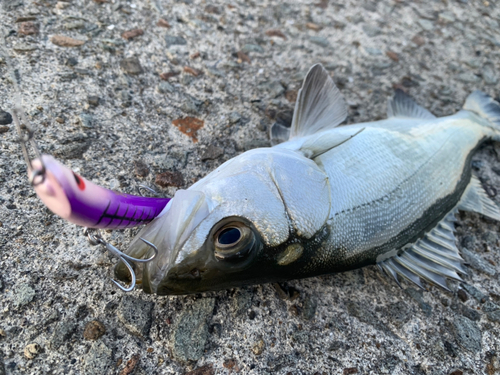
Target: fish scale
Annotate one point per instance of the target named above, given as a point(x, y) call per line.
point(329, 199)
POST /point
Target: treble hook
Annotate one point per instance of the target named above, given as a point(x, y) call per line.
point(142, 187)
point(95, 238)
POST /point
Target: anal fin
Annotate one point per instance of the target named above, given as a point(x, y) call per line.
point(475, 199)
point(433, 258)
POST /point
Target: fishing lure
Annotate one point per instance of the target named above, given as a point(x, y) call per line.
point(329, 199)
point(84, 203)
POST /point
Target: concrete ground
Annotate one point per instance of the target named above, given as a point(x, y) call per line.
point(103, 83)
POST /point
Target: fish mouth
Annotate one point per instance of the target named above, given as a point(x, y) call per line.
point(168, 233)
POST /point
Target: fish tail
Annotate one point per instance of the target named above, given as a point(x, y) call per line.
point(486, 107)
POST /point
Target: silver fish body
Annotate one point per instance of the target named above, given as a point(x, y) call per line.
point(330, 199)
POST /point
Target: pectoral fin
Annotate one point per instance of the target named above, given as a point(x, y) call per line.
point(323, 142)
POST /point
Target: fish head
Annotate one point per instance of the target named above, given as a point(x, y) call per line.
point(224, 231)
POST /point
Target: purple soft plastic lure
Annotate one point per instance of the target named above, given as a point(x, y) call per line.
point(83, 203)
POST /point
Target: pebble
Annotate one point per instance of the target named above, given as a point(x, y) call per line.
point(25, 47)
point(175, 40)
point(427, 25)
point(247, 48)
point(73, 150)
point(467, 334)
point(93, 330)
point(490, 307)
point(392, 55)
point(258, 347)
point(211, 152)
point(190, 334)
point(189, 126)
point(447, 17)
point(131, 34)
point(23, 294)
point(474, 292)
point(320, 41)
point(468, 77)
point(489, 75)
point(136, 315)
point(163, 23)
point(74, 25)
point(276, 32)
point(203, 370)
point(242, 302)
point(310, 306)
point(140, 168)
point(66, 41)
point(93, 100)
point(373, 51)
point(32, 350)
point(165, 88)
point(477, 263)
point(130, 366)
point(275, 88)
point(4, 129)
point(131, 65)
point(98, 360)
point(372, 30)
point(62, 333)
point(462, 295)
point(85, 120)
point(5, 118)
point(167, 179)
point(494, 316)
point(233, 118)
point(418, 40)
point(28, 28)
point(71, 61)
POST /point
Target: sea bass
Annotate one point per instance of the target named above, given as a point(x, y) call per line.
point(329, 199)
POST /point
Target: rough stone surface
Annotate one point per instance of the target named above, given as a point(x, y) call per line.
point(98, 360)
point(62, 333)
point(24, 294)
point(136, 315)
point(191, 332)
point(134, 121)
point(467, 333)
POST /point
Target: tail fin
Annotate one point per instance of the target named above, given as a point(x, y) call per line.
point(485, 106)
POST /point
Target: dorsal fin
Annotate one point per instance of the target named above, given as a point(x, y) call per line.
point(402, 105)
point(319, 104)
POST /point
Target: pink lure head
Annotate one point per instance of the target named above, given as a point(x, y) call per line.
point(80, 201)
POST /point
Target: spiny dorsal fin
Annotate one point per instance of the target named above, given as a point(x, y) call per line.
point(319, 104)
point(402, 105)
point(433, 258)
point(475, 199)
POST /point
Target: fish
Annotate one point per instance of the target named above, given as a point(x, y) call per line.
point(328, 199)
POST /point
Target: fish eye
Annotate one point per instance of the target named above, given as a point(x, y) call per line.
point(229, 236)
point(233, 241)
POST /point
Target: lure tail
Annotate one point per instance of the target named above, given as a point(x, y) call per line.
point(486, 107)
